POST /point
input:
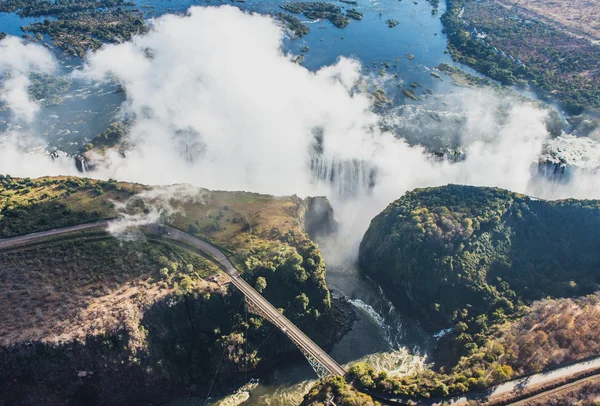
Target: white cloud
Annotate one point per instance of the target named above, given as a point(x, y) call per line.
point(219, 105)
point(17, 61)
point(157, 202)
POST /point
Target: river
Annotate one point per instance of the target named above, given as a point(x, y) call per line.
point(381, 336)
point(413, 49)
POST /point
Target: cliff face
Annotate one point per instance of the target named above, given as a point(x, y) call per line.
point(93, 319)
point(458, 252)
point(319, 219)
point(180, 348)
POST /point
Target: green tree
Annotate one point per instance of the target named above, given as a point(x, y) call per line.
point(301, 303)
point(261, 284)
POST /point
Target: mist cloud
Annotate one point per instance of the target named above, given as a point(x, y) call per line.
point(153, 207)
point(17, 61)
point(217, 103)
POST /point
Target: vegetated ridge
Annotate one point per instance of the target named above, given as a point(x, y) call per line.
point(485, 263)
point(93, 318)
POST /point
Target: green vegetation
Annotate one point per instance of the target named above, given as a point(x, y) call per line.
point(81, 25)
point(48, 89)
point(70, 287)
point(391, 22)
point(354, 13)
point(78, 32)
point(36, 8)
point(550, 333)
point(410, 94)
point(463, 78)
point(335, 390)
point(473, 259)
point(30, 205)
point(292, 23)
point(108, 138)
point(266, 238)
point(319, 9)
point(488, 249)
point(434, 4)
point(505, 45)
point(147, 315)
point(379, 97)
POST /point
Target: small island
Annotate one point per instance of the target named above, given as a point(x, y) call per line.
point(293, 24)
point(355, 14)
point(391, 22)
point(317, 10)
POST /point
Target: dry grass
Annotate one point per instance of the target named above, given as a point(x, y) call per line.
point(554, 332)
point(580, 17)
point(240, 220)
point(585, 393)
point(64, 290)
point(68, 290)
point(28, 205)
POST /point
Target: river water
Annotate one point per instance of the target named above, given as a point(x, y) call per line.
point(413, 49)
point(381, 336)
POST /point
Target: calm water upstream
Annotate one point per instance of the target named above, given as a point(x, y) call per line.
point(412, 48)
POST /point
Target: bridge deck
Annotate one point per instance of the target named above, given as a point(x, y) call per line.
point(265, 307)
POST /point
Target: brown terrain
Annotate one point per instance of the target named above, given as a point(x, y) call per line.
point(578, 17)
point(88, 283)
point(583, 392)
point(83, 285)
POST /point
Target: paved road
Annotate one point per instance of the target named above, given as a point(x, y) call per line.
point(554, 393)
point(519, 385)
point(306, 345)
point(293, 332)
point(24, 239)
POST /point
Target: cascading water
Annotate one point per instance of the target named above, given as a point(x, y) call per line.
point(348, 178)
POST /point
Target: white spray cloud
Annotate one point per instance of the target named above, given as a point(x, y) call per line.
point(219, 105)
point(152, 206)
point(17, 60)
point(22, 152)
point(22, 155)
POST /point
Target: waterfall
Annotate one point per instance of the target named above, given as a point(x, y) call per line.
point(83, 165)
point(350, 177)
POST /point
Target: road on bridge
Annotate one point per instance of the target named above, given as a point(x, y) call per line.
point(307, 346)
point(273, 315)
point(515, 386)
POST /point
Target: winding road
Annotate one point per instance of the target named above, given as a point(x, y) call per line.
point(266, 309)
point(319, 359)
point(306, 345)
